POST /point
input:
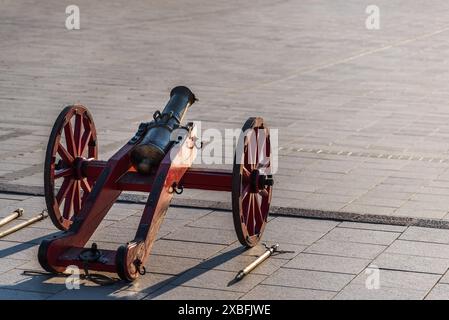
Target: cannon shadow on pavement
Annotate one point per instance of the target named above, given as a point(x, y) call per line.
point(200, 269)
point(43, 286)
point(21, 246)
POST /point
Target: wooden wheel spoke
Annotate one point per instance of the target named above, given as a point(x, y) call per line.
point(76, 198)
point(77, 133)
point(250, 218)
point(246, 163)
point(263, 193)
point(256, 133)
point(267, 145)
point(262, 152)
point(246, 173)
point(63, 173)
point(265, 164)
point(263, 146)
point(84, 140)
point(258, 214)
point(70, 140)
point(245, 205)
point(65, 155)
point(68, 205)
point(65, 187)
point(252, 150)
point(245, 191)
point(85, 185)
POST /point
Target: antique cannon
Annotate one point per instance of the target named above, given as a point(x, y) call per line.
point(80, 189)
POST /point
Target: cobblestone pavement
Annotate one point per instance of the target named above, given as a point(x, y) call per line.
point(362, 114)
point(197, 254)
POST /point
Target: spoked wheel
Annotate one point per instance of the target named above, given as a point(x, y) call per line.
point(252, 182)
point(72, 140)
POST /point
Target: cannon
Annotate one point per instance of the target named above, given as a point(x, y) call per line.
point(80, 189)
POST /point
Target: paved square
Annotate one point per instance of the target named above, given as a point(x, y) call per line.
point(411, 264)
point(362, 114)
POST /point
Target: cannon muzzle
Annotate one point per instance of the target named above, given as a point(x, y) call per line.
point(156, 142)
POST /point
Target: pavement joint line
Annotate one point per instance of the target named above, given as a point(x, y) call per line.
point(438, 282)
point(367, 229)
point(325, 271)
point(282, 286)
point(421, 241)
point(369, 154)
point(409, 271)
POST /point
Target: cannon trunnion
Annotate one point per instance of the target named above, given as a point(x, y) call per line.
point(80, 189)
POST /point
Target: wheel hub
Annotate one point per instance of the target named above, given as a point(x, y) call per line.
point(260, 181)
point(77, 168)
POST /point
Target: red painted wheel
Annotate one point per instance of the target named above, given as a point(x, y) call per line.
point(252, 182)
point(72, 140)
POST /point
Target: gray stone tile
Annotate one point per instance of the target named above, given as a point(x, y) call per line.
point(361, 236)
point(281, 223)
point(17, 250)
point(309, 279)
point(346, 249)
point(292, 235)
point(114, 235)
point(217, 279)
point(132, 223)
point(368, 209)
point(30, 234)
point(194, 250)
point(360, 292)
point(14, 279)
point(372, 226)
point(439, 292)
point(191, 293)
point(215, 220)
point(426, 235)
point(328, 263)
point(268, 292)
point(417, 248)
point(8, 264)
point(204, 235)
point(401, 279)
point(32, 265)
point(445, 278)
point(411, 263)
point(169, 264)
point(148, 283)
point(187, 213)
point(12, 294)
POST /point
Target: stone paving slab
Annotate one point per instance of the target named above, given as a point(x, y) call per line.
point(328, 263)
point(362, 117)
point(193, 269)
point(411, 263)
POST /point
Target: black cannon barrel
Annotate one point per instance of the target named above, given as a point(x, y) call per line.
point(153, 147)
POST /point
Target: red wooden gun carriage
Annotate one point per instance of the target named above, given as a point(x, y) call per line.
point(80, 189)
